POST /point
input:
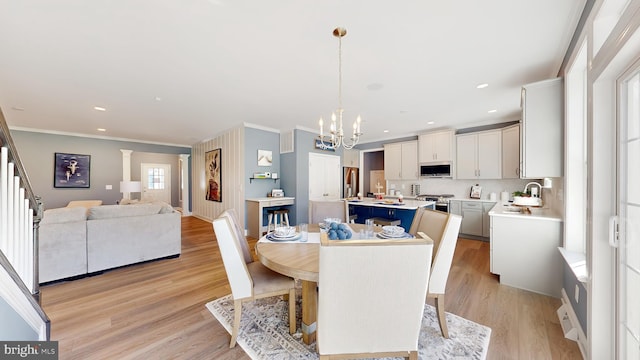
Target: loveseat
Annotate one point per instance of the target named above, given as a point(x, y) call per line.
point(76, 241)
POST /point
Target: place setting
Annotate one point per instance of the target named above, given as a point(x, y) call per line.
point(288, 234)
point(393, 232)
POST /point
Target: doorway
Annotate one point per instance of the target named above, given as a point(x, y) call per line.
point(156, 182)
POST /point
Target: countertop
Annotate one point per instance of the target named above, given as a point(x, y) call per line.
point(270, 198)
point(502, 209)
point(408, 204)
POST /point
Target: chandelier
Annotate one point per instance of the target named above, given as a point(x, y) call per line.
point(336, 138)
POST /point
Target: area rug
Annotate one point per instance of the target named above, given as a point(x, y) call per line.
point(264, 332)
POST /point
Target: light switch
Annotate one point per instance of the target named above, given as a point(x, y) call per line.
point(109, 187)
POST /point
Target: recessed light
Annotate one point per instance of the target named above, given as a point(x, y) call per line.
point(386, 131)
point(158, 98)
point(99, 108)
point(482, 86)
point(431, 122)
point(492, 111)
point(101, 129)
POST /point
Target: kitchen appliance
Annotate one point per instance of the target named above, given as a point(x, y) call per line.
point(435, 170)
point(350, 182)
point(277, 193)
point(442, 200)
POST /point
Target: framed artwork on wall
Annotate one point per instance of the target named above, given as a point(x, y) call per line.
point(213, 164)
point(71, 171)
point(265, 158)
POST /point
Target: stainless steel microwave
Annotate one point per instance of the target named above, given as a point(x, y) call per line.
point(435, 170)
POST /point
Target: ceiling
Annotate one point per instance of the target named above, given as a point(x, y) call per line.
point(183, 71)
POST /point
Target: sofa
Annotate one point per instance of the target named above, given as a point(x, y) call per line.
point(76, 240)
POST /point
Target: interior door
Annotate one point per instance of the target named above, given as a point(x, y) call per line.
point(325, 177)
point(628, 267)
point(156, 182)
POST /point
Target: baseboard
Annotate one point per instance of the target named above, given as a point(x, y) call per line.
point(570, 324)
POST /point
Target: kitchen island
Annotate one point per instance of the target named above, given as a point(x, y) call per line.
point(524, 248)
point(388, 208)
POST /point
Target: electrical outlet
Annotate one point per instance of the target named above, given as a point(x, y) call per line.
point(108, 187)
point(577, 294)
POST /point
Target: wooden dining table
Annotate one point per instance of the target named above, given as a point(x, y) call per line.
point(300, 260)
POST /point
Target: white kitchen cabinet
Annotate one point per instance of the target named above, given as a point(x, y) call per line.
point(541, 141)
point(486, 219)
point(351, 158)
point(455, 207)
point(436, 147)
point(511, 152)
point(401, 161)
point(479, 155)
point(524, 252)
point(325, 177)
point(471, 218)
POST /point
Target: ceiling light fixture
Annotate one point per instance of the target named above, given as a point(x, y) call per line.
point(482, 86)
point(336, 133)
point(492, 111)
point(99, 108)
point(431, 122)
point(101, 129)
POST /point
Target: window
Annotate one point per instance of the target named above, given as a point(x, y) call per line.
point(155, 178)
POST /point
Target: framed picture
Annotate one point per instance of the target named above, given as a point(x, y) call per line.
point(320, 145)
point(213, 166)
point(265, 158)
point(71, 170)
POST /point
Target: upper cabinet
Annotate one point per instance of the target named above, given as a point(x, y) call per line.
point(511, 152)
point(479, 155)
point(436, 146)
point(351, 158)
point(541, 144)
point(401, 161)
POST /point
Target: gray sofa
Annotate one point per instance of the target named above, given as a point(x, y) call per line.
point(76, 241)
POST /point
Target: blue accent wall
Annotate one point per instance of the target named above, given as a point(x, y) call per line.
point(14, 327)
point(254, 140)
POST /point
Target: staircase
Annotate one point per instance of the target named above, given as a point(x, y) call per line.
point(20, 214)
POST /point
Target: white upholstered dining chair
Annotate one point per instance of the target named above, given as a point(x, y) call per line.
point(232, 215)
point(322, 209)
point(443, 229)
point(371, 297)
point(249, 281)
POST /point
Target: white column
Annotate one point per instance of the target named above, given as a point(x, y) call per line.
point(126, 169)
point(185, 186)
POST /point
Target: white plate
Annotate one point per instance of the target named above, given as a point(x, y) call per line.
point(273, 237)
point(381, 235)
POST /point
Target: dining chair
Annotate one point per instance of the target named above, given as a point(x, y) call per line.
point(232, 215)
point(371, 297)
point(249, 281)
point(322, 209)
point(443, 229)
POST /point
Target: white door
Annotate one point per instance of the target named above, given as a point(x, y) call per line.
point(156, 182)
point(628, 281)
point(324, 177)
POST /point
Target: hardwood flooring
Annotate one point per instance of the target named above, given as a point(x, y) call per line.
point(156, 310)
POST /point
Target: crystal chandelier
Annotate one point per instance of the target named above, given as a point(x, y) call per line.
point(335, 138)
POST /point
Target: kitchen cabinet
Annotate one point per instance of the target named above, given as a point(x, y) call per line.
point(479, 155)
point(471, 218)
point(401, 161)
point(325, 177)
point(351, 158)
point(511, 152)
point(524, 252)
point(541, 139)
point(436, 147)
point(475, 217)
point(455, 207)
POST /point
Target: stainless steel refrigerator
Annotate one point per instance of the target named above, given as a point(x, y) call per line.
point(350, 181)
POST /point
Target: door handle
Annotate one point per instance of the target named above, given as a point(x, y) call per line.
point(614, 234)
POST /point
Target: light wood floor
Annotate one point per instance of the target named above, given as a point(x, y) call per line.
point(156, 310)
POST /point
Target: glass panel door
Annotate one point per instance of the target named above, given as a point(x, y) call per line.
point(629, 216)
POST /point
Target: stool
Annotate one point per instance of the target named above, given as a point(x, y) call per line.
point(273, 218)
point(379, 221)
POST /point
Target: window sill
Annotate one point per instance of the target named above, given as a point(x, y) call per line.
point(577, 261)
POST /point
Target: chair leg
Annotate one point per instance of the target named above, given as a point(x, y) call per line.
point(413, 355)
point(442, 320)
point(292, 311)
point(237, 308)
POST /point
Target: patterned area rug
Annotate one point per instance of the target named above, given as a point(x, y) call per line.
point(264, 332)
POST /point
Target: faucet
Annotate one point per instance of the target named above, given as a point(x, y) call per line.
point(534, 191)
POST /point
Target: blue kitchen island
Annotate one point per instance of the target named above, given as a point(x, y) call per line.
point(368, 208)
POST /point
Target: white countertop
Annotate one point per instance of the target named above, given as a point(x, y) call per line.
point(502, 209)
point(271, 198)
point(408, 204)
point(476, 200)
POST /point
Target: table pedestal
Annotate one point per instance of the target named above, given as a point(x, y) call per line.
point(309, 311)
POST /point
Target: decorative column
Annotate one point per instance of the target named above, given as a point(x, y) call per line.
point(185, 187)
point(126, 170)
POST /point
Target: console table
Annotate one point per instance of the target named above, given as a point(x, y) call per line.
point(255, 212)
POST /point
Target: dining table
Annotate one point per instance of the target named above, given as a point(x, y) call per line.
point(300, 260)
